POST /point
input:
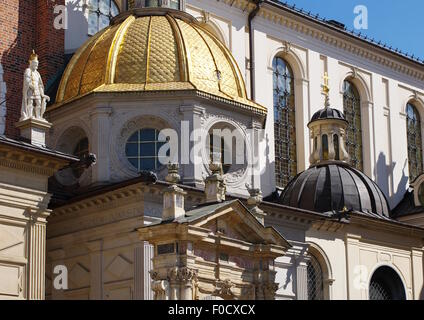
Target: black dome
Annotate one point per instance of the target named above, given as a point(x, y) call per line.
point(328, 113)
point(331, 187)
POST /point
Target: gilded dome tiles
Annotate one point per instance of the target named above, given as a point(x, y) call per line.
point(163, 51)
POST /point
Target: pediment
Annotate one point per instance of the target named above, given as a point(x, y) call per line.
point(233, 220)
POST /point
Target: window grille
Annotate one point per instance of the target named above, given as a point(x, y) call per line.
point(284, 123)
point(378, 291)
point(142, 150)
point(100, 12)
point(352, 111)
point(315, 280)
point(413, 126)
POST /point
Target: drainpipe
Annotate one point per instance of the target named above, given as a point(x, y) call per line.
point(251, 49)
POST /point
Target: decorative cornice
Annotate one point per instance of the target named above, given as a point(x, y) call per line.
point(300, 25)
point(337, 42)
point(18, 159)
point(107, 200)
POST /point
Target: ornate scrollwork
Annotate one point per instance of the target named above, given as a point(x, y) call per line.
point(160, 289)
point(224, 288)
point(182, 274)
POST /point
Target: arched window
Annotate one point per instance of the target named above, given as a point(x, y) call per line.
point(386, 284)
point(315, 279)
point(284, 122)
point(100, 12)
point(352, 111)
point(142, 150)
point(415, 151)
point(336, 147)
point(325, 147)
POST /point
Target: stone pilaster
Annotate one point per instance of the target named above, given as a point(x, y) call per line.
point(193, 120)
point(96, 269)
point(100, 121)
point(36, 259)
point(143, 255)
point(302, 279)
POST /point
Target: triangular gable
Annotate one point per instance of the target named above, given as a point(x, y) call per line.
point(236, 221)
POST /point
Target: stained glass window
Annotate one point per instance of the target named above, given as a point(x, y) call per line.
point(352, 111)
point(142, 150)
point(415, 151)
point(284, 123)
point(100, 13)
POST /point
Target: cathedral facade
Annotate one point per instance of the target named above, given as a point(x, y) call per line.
point(202, 149)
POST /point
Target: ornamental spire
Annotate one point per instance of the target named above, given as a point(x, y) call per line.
point(326, 89)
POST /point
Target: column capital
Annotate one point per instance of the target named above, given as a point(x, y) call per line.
point(195, 109)
point(99, 110)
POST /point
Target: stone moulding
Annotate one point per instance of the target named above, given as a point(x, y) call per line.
point(335, 40)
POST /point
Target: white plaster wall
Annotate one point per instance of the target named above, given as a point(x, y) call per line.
point(77, 32)
point(333, 245)
point(384, 93)
point(354, 254)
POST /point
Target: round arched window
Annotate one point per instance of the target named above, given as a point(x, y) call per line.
point(386, 284)
point(315, 280)
point(142, 150)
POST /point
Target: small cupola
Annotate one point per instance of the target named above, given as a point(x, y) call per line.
point(328, 132)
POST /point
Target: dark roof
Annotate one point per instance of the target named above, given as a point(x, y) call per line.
point(359, 36)
point(331, 187)
point(407, 206)
point(328, 113)
point(26, 146)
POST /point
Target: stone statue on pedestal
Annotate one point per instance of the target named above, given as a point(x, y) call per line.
point(34, 100)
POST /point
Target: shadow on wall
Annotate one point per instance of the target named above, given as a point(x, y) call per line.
point(384, 178)
point(77, 31)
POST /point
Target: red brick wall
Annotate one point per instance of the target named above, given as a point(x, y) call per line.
point(26, 25)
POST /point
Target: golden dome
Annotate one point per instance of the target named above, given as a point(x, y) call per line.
point(155, 49)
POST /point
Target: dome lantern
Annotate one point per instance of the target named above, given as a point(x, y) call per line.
point(331, 185)
point(327, 131)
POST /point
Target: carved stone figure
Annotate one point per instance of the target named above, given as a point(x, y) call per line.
point(34, 100)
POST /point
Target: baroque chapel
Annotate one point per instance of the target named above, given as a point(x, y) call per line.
point(206, 149)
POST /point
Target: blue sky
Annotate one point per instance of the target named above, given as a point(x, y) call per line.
point(397, 23)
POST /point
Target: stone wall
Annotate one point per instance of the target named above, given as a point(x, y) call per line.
point(27, 25)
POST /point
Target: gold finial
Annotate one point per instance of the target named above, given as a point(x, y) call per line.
point(33, 56)
point(326, 89)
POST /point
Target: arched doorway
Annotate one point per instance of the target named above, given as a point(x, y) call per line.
point(386, 284)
